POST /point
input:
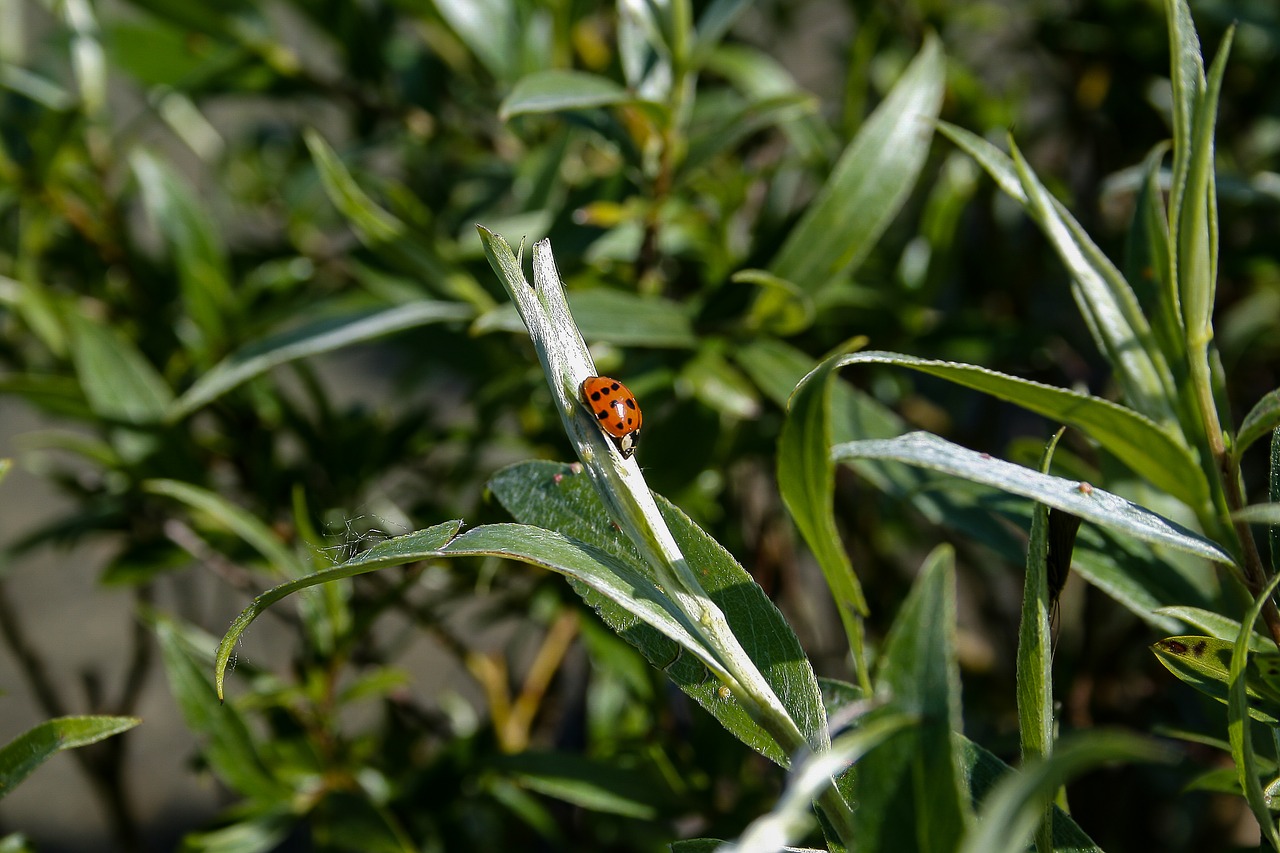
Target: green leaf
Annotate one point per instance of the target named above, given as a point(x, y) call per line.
point(611, 316)
point(1205, 664)
point(760, 77)
point(1239, 710)
point(312, 338)
point(1140, 444)
point(807, 482)
point(1197, 231)
point(594, 785)
point(1273, 491)
point(230, 748)
point(117, 380)
point(980, 767)
point(1262, 419)
point(1035, 647)
point(231, 517)
point(912, 796)
point(792, 817)
point(258, 834)
point(780, 308)
point(21, 756)
point(615, 580)
point(871, 181)
point(1016, 805)
point(1108, 304)
point(387, 235)
point(489, 30)
point(1217, 625)
point(1147, 259)
point(750, 118)
point(204, 272)
point(557, 90)
point(551, 495)
point(1089, 502)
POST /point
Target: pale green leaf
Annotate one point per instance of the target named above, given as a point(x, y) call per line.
point(871, 181)
point(1089, 502)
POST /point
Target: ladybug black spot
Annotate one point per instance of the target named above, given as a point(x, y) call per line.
point(630, 421)
point(619, 425)
point(614, 387)
point(595, 395)
point(631, 403)
point(602, 415)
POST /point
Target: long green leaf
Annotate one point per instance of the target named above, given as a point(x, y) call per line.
point(1143, 446)
point(1106, 301)
point(617, 581)
point(21, 756)
point(231, 748)
point(236, 519)
point(913, 796)
point(1035, 647)
point(1239, 725)
point(1015, 807)
point(314, 338)
point(807, 482)
point(1091, 503)
point(388, 235)
point(871, 181)
point(559, 90)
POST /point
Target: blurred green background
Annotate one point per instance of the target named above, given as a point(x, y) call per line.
point(163, 218)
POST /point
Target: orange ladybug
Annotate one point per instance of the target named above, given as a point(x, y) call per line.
point(616, 411)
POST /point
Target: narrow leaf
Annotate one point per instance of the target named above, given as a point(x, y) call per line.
point(314, 338)
point(558, 90)
point(913, 796)
point(239, 521)
point(1146, 448)
point(230, 747)
point(1106, 301)
point(21, 756)
point(1089, 502)
point(871, 181)
point(1011, 813)
point(807, 482)
point(1262, 419)
point(1205, 664)
point(1239, 725)
point(388, 235)
point(1035, 646)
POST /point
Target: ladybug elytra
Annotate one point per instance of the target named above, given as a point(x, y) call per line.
point(615, 410)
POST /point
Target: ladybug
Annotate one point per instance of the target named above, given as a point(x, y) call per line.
point(616, 411)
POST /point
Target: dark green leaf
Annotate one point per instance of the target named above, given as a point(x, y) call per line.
point(1262, 419)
